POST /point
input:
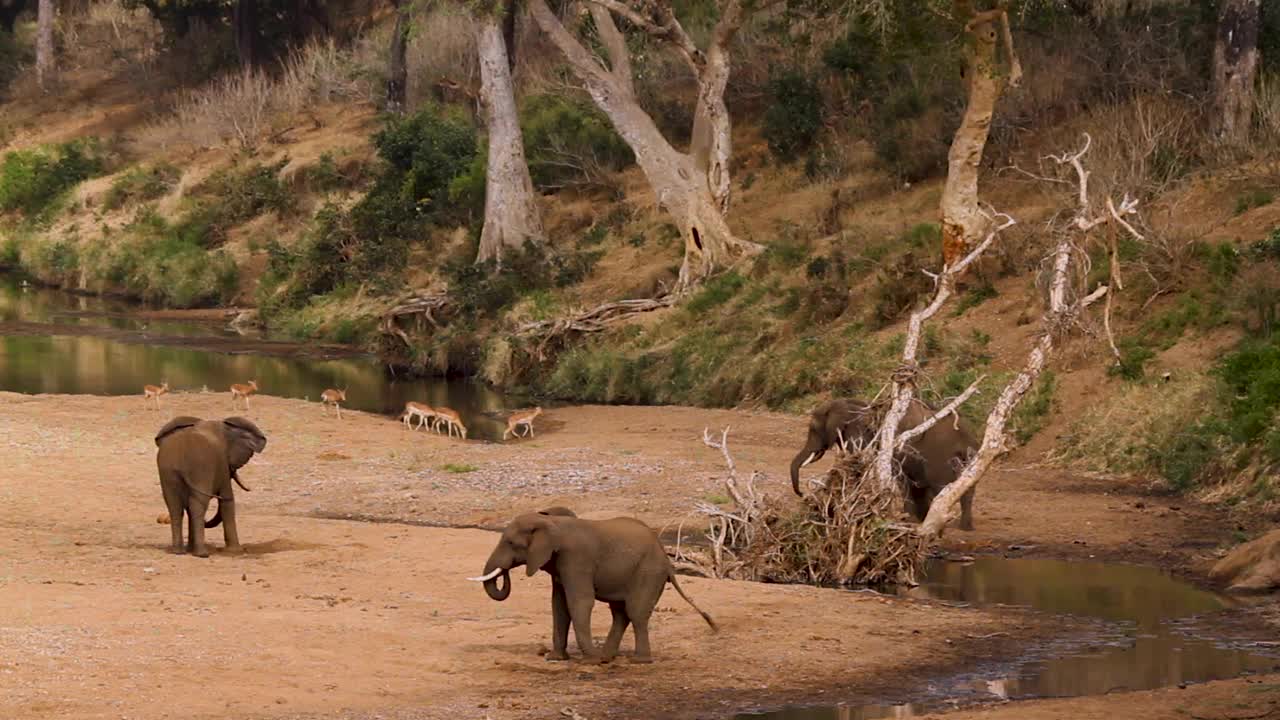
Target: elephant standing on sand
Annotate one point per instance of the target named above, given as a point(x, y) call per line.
point(619, 561)
point(930, 463)
point(197, 461)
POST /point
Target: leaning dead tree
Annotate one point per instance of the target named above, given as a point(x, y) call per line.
point(692, 187)
point(546, 333)
point(850, 529)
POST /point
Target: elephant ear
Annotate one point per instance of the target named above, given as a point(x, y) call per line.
point(243, 440)
point(543, 543)
point(558, 510)
point(181, 422)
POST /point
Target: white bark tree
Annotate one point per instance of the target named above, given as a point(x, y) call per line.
point(511, 214)
point(692, 187)
point(963, 222)
point(45, 16)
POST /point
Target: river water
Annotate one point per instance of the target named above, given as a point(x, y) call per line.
point(1162, 636)
point(56, 342)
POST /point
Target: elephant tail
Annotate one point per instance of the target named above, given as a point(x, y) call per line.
point(672, 577)
point(216, 520)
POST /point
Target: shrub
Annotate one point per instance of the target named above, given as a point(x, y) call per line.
point(33, 181)
point(141, 184)
point(718, 291)
point(425, 152)
point(228, 199)
point(794, 115)
point(154, 262)
point(568, 141)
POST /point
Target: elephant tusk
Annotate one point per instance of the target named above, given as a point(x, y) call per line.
point(809, 459)
point(486, 578)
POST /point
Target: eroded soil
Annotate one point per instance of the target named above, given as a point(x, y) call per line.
point(328, 617)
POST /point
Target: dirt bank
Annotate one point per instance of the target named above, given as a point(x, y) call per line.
point(334, 618)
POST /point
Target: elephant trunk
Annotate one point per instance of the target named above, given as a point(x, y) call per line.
point(810, 453)
point(493, 572)
point(216, 520)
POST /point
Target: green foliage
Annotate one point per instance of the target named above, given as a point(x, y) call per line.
point(229, 198)
point(717, 291)
point(157, 263)
point(483, 290)
point(1033, 411)
point(1255, 198)
point(1134, 355)
point(33, 181)
point(141, 184)
point(566, 140)
point(793, 117)
point(425, 152)
point(975, 297)
point(458, 468)
point(1251, 377)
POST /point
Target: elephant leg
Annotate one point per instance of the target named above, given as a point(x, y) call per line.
point(195, 514)
point(620, 623)
point(559, 623)
point(640, 604)
point(172, 488)
point(229, 531)
point(966, 509)
point(581, 597)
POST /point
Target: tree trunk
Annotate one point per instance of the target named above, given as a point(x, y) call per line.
point(509, 32)
point(963, 224)
point(44, 40)
point(1235, 65)
point(244, 19)
point(711, 143)
point(510, 208)
point(397, 66)
point(683, 189)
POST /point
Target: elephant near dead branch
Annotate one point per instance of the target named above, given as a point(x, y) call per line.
point(198, 460)
point(930, 462)
point(619, 561)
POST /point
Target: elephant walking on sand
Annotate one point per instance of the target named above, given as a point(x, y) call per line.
point(930, 462)
point(619, 561)
point(198, 460)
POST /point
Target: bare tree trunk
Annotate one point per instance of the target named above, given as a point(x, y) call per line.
point(510, 208)
point(963, 222)
point(44, 41)
point(683, 188)
point(1235, 66)
point(397, 65)
point(244, 20)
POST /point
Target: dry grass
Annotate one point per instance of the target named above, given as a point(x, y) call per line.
point(1120, 434)
point(244, 107)
point(441, 46)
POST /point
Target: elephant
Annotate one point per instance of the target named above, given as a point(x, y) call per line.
point(932, 461)
point(619, 561)
point(197, 460)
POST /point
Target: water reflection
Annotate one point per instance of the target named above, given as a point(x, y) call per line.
point(76, 363)
point(1148, 602)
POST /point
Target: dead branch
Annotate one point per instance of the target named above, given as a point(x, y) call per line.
point(423, 306)
point(904, 378)
point(596, 319)
point(1063, 313)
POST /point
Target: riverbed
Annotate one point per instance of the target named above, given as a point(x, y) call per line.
point(350, 601)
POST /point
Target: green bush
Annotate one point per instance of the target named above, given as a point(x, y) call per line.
point(229, 198)
point(425, 152)
point(794, 115)
point(566, 140)
point(717, 291)
point(33, 181)
point(154, 262)
point(141, 184)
